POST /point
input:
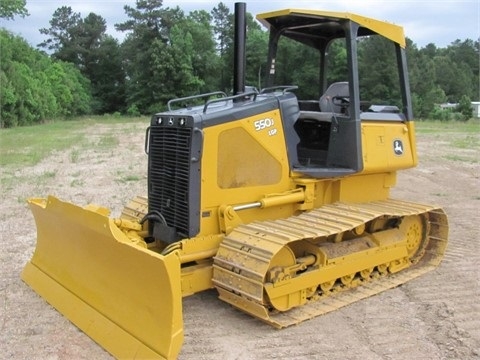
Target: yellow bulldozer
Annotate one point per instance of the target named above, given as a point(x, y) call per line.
point(282, 204)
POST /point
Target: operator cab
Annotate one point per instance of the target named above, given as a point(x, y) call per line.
point(323, 134)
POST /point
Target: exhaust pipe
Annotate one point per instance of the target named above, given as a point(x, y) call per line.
point(240, 61)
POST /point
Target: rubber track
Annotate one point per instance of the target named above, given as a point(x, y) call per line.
point(244, 256)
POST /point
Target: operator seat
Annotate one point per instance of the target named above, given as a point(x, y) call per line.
point(336, 89)
point(314, 128)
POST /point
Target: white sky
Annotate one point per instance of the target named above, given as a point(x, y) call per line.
point(425, 21)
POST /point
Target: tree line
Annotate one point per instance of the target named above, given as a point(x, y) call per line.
point(80, 69)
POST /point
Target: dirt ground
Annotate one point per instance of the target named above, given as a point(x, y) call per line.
point(436, 316)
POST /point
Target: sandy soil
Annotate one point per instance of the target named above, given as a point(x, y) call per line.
point(436, 316)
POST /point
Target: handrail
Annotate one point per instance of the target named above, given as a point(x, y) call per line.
point(233, 97)
point(199, 96)
point(284, 88)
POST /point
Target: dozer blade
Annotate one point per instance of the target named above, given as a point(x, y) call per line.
point(126, 298)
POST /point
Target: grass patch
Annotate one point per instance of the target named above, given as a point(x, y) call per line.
point(460, 158)
point(8, 180)
point(467, 142)
point(442, 127)
point(48, 175)
point(43, 178)
point(129, 178)
point(77, 183)
point(28, 145)
point(74, 156)
point(108, 142)
point(462, 137)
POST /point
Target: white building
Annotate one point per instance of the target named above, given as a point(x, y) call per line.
point(476, 109)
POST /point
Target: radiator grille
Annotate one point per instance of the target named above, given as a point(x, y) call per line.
point(169, 175)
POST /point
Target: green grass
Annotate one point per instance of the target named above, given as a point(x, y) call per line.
point(458, 158)
point(77, 183)
point(8, 180)
point(107, 142)
point(74, 155)
point(28, 145)
point(467, 142)
point(128, 178)
point(123, 177)
point(458, 135)
point(439, 127)
point(24, 146)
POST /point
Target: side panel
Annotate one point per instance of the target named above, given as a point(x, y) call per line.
point(365, 187)
point(388, 146)
point(242, 161)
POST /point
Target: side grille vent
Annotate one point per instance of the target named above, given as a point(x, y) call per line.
point(169, 175)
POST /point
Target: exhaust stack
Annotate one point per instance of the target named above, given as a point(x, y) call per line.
point(239, 64)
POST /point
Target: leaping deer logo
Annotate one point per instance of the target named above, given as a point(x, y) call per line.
point(398, 147)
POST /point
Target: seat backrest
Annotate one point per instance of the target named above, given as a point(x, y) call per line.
point(335, 89)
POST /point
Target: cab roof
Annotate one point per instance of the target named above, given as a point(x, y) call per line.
point(312, 26)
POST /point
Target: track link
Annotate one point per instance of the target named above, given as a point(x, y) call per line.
point(136, 209)
point(251, 255)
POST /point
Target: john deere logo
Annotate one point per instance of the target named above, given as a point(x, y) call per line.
point(398, 147)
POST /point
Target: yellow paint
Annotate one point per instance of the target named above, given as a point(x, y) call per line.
point(88, 269)
point(244, 162)
point(385, 29)
point(378, 144)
